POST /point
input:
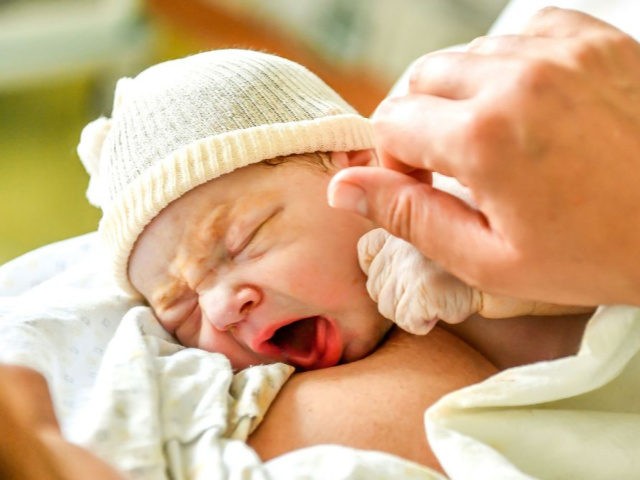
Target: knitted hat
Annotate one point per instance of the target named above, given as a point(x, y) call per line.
point(184, 122)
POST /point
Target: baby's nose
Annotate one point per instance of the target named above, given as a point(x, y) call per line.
point(225, 307)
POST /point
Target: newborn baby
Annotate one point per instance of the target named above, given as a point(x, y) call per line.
point(213, 193)
point(212, 177)
point(257, 266)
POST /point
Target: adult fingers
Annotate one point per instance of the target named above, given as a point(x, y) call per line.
point(405, 129)
point(441, 226)
point(387, 161)
point(514, 45)
point(455, 75)
point(562, 23)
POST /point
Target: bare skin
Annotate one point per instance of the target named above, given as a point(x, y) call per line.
point(431, 366)
point(33, 447)
point(544, 130)
point(509, 342)
point(405, 376)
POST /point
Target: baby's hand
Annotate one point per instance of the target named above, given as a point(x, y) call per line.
point(411, 290)
point(414, 292)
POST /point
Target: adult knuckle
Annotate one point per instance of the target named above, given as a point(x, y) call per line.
point(478, 43)
point(491, 44)
point(618, 41)
point(586, 53)
point(431, 68)
point(482, 131)
point(399, 215)
point(546, 12)
point(534, 75)
point(478, 125)
point(419, 72)
point(601, 50)
point(406, 215)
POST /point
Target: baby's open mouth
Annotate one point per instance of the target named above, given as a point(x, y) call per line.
point(309, 343)
point(298, 337)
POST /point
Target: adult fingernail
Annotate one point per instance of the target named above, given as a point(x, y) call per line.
point(348, 197)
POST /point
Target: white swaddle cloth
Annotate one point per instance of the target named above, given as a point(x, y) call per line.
point(575, 417)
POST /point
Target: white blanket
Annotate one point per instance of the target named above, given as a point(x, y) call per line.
point(576, 417)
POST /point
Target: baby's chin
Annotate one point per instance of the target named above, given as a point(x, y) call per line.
point(361, 346)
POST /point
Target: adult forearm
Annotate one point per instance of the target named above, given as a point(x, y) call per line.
point(33, 447)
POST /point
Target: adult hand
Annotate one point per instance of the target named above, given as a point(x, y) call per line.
point(33, 447)
point(544, 130)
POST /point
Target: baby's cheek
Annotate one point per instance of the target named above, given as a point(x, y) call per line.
point(212, 340)
point(323, 275)
point(363, 342)
point(324, 286)
point(221, 342)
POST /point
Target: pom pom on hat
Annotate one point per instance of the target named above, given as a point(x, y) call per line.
point(89, 151)
point(184, 122)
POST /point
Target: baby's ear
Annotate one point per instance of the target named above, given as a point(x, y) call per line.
point(357, 158)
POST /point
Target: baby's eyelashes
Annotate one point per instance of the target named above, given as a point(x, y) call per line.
point(242, 235)
point(238, 242)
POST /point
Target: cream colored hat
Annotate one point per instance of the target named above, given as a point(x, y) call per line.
point(181, 123)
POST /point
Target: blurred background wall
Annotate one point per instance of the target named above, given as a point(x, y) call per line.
point(59, 60)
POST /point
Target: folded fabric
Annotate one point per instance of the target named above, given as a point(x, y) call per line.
point(576, 417)
point(58, 312)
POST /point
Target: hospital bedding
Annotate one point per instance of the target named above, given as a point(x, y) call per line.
point(123, 388)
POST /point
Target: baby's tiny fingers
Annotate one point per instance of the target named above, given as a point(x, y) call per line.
point(369, 246)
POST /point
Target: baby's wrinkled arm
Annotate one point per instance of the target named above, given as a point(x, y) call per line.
point(376, 403)
point(415, 292)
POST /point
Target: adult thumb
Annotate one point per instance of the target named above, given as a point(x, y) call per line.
point(443, 227)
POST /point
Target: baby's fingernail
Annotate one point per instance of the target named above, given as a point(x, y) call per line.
point(348, 197)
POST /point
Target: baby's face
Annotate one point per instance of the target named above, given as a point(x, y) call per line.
point(257, 266)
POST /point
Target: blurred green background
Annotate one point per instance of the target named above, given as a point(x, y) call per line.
point(42, 182)
point(55, 78)
point(59, 61)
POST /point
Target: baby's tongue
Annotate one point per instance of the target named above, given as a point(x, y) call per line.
point(297, 338)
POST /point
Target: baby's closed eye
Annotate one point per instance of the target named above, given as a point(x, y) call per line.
point(248, 241)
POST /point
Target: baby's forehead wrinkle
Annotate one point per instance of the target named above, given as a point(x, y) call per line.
point(201, 245)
